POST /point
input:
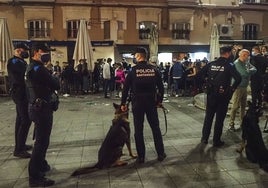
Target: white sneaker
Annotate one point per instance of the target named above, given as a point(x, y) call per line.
point(176, 95)
point(66, 95)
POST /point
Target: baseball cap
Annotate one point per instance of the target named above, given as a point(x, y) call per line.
point(141, 50)
point(21, 45)
point(225, 49)
point(41, 46)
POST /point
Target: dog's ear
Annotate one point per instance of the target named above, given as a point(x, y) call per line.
point(116, 106)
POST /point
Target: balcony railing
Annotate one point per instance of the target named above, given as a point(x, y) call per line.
point(253, 1)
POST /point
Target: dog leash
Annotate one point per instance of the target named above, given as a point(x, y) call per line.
point(165, 111)
point(265, 130)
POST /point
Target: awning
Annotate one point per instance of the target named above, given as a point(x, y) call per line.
point(183, 48)
point(130, 48)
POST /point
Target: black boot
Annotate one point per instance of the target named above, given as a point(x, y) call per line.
point(40, 182)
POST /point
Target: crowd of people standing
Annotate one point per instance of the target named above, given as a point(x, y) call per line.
point(106, 76)
point(180, 76)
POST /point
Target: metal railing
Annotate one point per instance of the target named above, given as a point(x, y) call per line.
point(253, 1)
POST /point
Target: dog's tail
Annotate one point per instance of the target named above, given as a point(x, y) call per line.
point(85, 170)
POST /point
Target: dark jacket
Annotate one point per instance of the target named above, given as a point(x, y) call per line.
point(143, 80)
point(40, 83)
point(177, 70)
point(67, 73)
point(16, 68)
point(260, 63)
point(219, 74)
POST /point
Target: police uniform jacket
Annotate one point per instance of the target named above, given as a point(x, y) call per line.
point(16, 68)
point(144, 80)
point(220, 73)
point(40, 83)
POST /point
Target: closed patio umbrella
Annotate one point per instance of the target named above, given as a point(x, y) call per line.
point(214, 43)
point(153, 44)
point(83, 48)
point(6, 47)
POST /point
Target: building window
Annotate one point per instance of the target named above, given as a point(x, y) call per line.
point(72, 28)
point(145, 28)
point(120, 25)
point(38, 29)
point(181, 31)
point(107, 31)
point(113, 30)
point(120, 31)
point(250, 31)
point(253, 1)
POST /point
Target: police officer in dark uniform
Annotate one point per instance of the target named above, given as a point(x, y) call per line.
point(147, 90)
point(41, 86)
point(16, 68)
point(219, 74)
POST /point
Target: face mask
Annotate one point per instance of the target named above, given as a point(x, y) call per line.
point(45, 57)
point(24, 55)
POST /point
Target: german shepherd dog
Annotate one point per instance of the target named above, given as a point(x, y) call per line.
point(111, 149)
point(252, 140)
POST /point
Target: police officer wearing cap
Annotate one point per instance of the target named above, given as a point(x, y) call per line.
point(16, 68)
point(219, 74)
point(40, 86)
point(147, 90)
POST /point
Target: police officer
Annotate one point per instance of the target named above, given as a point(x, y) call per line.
point(40, 86)
point(219, 74)
point(16, 68)
point(143, 81)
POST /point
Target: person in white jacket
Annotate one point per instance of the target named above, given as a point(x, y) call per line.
point(106, 76)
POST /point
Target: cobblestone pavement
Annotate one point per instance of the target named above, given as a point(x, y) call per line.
point(80, 125)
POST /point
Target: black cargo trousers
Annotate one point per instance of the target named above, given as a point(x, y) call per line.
point(146, 105)
point(43, 119)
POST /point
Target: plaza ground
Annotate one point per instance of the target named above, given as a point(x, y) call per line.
point(81, 124)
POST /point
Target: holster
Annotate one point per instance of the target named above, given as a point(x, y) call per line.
point(207, 88)
point(38, 104)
